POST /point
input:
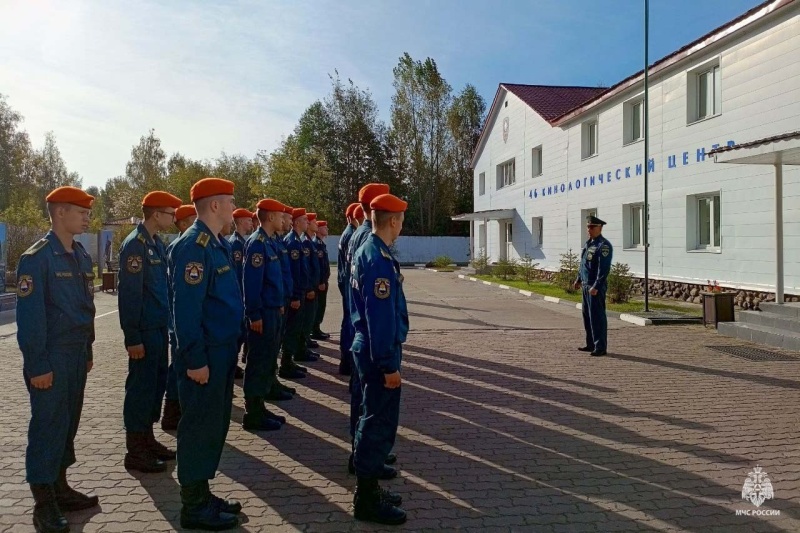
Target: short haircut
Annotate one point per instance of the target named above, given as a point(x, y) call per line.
point(53, 206)
point(148, 212)
point(367, 209)
point(382, 218)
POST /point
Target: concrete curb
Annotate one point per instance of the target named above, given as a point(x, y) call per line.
point(558, 301)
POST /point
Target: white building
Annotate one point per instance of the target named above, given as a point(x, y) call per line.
point(548, 156)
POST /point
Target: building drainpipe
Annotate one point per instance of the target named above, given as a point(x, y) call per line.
point(779, 232)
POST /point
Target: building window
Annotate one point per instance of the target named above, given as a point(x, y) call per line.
point(537, 232)
point(704, 92)
point(482, 183)
point(589, 139)
point(633, 116)
point(505, 174)
point(591, 212)
point(536, 159)
point(704, 217)
point(633, 224)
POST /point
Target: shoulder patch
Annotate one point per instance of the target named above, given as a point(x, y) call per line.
point(295, 254)
point(134, 265)
point(605, 250)
point(382, 288)
point(141, 238)
point(41, 243)
point(203, 239)
point(257, 260)
point(193, 273)
point(24, 286)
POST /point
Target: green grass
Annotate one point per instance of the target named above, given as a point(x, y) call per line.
point(545, 288)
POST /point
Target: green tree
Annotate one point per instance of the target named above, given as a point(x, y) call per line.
point(49, 171)
point(246, 174)
point(147, 168)
point(15, 150)
point(464, 120)
point(25, 224)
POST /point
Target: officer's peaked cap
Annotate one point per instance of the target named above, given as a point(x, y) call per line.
point(591, 219)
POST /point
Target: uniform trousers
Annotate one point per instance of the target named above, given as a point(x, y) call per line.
point(146, 382)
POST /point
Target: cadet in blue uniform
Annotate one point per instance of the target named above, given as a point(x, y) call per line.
point(380, 319)
point(144, 318)
point(311, 304)
point(264, 305)
point(55, 331)
point(243, 227)
point(324, 278)
point(343, 281)
point(294, 342)
point(279, 393)
point(208, 313)
point(185, 216)
point(593, 274)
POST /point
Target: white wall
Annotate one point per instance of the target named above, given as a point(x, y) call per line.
point(760, 76)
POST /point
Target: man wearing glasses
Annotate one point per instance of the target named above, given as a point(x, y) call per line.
point(592, 276)
point(144, 317)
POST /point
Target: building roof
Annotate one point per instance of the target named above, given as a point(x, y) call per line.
point(759, 142)
point(552, 101)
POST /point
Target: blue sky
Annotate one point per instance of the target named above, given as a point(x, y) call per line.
point(235, 75)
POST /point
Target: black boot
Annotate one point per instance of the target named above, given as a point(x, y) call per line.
point(369, 504)
point(69, 499)
point(255, 416)
point(291, 373)
point(201, 510)
point(47, 517)
point(160, 451)
point(171, 416)
point(139, 456)
point(290, 390)
point(312, 344)
point(277, 394)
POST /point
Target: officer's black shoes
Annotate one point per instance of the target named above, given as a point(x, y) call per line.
point(312, 344)
point(290, 390)
point(226, 506)
point(391, 458)
point(69, 499)
point(238, 373)
point(269, 414)
point(388, 472)
point(370, 505)
point(171, 416)
point(203, 510)
point(291, 373)
point(139, 456)
point(158, 449)
point(320, 336)
point(302, 369)
point(308, 356)
point(586, 348)
point(47, 517)
point(278, 395)
point(391, 497)
point(598, 353)
point(255, 417)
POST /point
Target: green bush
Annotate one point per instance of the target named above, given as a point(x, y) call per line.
point(481, 262)
point(620, 283)
point(568, 271)
point(505, 268)
point(441, 262)
point(527, 269)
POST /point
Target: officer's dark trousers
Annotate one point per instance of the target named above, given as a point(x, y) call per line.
point(346, 331)
point(146, 382)
point(294, 341)
point(356, 397)
point(55, 415)
point(205, 414)
point(262, 355)
point(377, 427)
point(310, 317)
point(172, 381)
point(594, 319)
point(322, 304)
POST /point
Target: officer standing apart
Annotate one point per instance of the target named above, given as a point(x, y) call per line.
point(324, 278)
point(243, 227)
point(264, 305)
point(593, 275)
point(55, 332)
point(185, 216)
point(208, 314)
point(380, 318)
point(343, 281)
point(144, 318)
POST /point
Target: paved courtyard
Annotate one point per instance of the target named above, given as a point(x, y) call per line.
point(504, 427)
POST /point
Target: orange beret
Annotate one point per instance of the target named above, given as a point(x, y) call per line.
point(268, 204)
point(370, 191)
point(289, 209)
point(322, 223)
point(358, 212)
point(350, 208)
point(388, 202)
point(210, 187)
point(70, 195)
point(185, 211)
point(161, 199)
point(311, 217)
point(242, 213)
point(298, 212)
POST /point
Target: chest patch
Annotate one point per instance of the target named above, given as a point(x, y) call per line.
point(306, 252)
point(134, 265)
point(193, 274)
point(295, 254)
point(382, 288)
point(24, 286)
point(257, 260)
point(237, 256)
